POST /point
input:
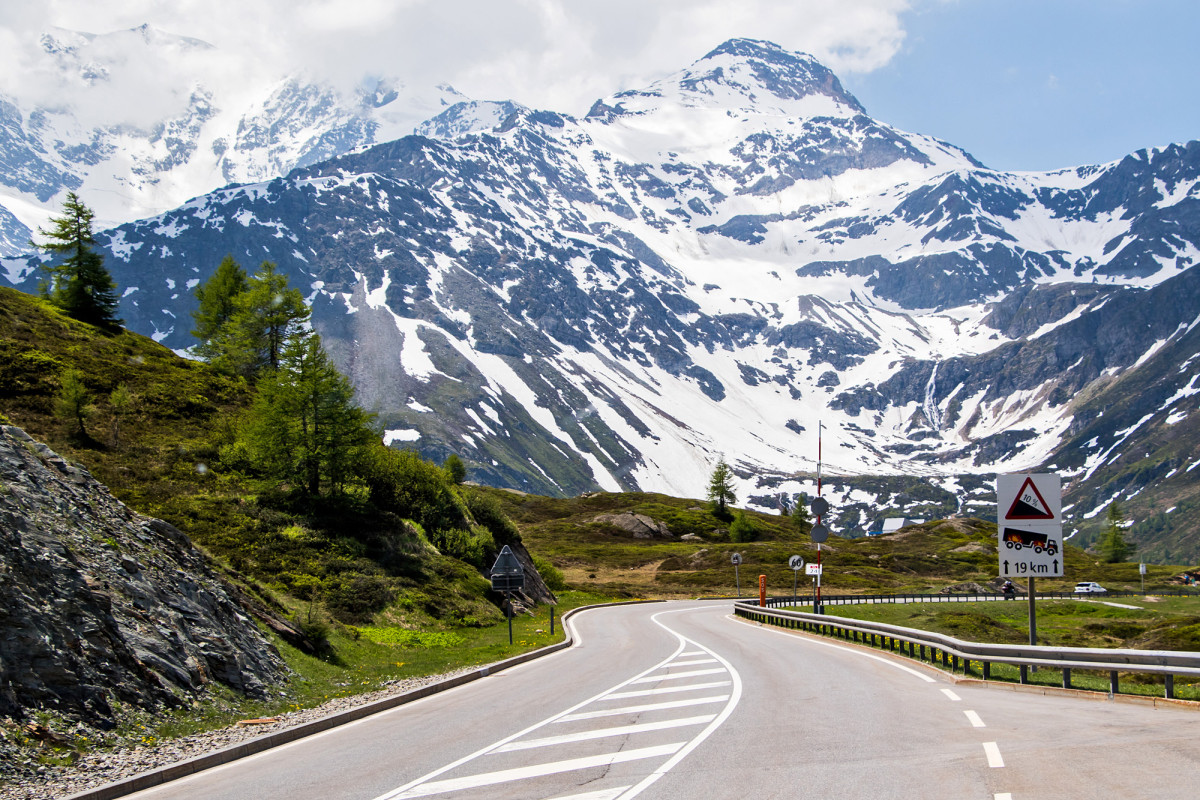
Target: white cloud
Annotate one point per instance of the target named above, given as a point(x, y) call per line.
point(553, 54)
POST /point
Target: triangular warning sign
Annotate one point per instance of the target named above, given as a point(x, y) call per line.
point(1029, 504)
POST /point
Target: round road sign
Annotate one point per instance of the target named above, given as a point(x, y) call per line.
point(819, 505)
point(736, 558)
point(819, 533)
point(796, 562)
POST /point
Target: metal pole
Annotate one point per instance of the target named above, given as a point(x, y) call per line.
point(509, 614)
point(1032, 615)
point(795, 580)
point(551, 620)
point(817, 594)
point(738, 580)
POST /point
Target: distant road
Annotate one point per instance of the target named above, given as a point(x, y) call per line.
point(678, 701)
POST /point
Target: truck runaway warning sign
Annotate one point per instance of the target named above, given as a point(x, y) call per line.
point(1029, 526)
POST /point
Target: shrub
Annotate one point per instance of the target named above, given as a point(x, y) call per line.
point(551, 575)
point(487, 512)
point(743, 529)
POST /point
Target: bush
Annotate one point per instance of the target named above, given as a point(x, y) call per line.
point(743, 529)
point(551, 574)
point(487, 512)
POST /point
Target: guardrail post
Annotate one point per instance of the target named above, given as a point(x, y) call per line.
point(1113, 687)
point(953, 663)
point(1169, 686)
point(1024, 673)
point(1066, 677)
point(987, 670)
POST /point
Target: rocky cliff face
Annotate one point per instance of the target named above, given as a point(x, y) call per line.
point(101, 607)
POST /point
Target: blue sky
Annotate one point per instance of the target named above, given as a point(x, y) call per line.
point(1021, 84)
point(1028, 85)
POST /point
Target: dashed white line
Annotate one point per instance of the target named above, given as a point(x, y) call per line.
point(993, 754)
point(1000, 796)
point(976, 722)
point(951, 695)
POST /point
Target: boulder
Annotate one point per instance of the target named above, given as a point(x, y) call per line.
point(639, 526)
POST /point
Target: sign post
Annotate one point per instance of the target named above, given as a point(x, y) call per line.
point(762, 591)
point(508, 576)
point(736, 558)
point(818, 534)
point(1029, 527)
point(796, 563)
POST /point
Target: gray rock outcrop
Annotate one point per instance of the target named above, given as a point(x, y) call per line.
point(639, 525)
point(101, 607)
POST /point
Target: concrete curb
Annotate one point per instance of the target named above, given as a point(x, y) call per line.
point(268, 741)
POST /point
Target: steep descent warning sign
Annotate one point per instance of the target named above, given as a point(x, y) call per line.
point(1029, 498)
point(1029, 504)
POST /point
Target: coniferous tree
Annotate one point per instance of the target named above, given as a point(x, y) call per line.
point(74, 402)
point(1112, 545)
point(720, 488)
point(800, 518)
point(456, 471)
point(119, 400)
point(79, 284)
point(304, 427)
point(264, 316)
point(217, 302)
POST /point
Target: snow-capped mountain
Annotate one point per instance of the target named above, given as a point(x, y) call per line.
point(714, 265)
point(187, 131)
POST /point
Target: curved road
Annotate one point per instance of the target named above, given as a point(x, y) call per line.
point(680, 701)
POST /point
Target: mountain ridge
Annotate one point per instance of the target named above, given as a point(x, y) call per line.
point(576, 304)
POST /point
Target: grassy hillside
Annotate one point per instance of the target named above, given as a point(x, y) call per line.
point(924, 558)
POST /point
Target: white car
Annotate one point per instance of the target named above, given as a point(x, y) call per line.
point(1088, 587)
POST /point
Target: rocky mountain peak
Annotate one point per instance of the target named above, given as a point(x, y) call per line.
point(745, 74)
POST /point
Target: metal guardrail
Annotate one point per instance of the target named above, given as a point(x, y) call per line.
point(963, 597)
point(955, 653)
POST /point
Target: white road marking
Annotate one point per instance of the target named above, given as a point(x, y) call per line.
point(612, 712)
point(1001, 796)
point(951, 695)
point(691, 687)
point(672, 676)
point(601, 733)
point(854, 650)
point(426, 785)
point(976, 722)
point(993, 754)
point(603, 794)
point(537, 771)
point(695, 663)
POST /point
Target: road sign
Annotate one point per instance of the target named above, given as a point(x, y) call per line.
point(736, 559)
point(819, 533)
point(507, 573)
point(1029, 498)
point(796, 562)
point(1030, 550)
point(819, 505)
point(812, 569)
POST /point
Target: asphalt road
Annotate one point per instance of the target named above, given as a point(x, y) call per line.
point(679, 701)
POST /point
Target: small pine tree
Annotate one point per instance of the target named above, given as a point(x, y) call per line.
point(456, 471)
point(74, 402)
point(800, 518)
point(1112, 546)
point(720, 489)
point(264, 317)
point(217, 301)
point(79, 284)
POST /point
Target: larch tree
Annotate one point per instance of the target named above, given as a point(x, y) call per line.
point(79, 284)
point(216, 299)
point(720, 489)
